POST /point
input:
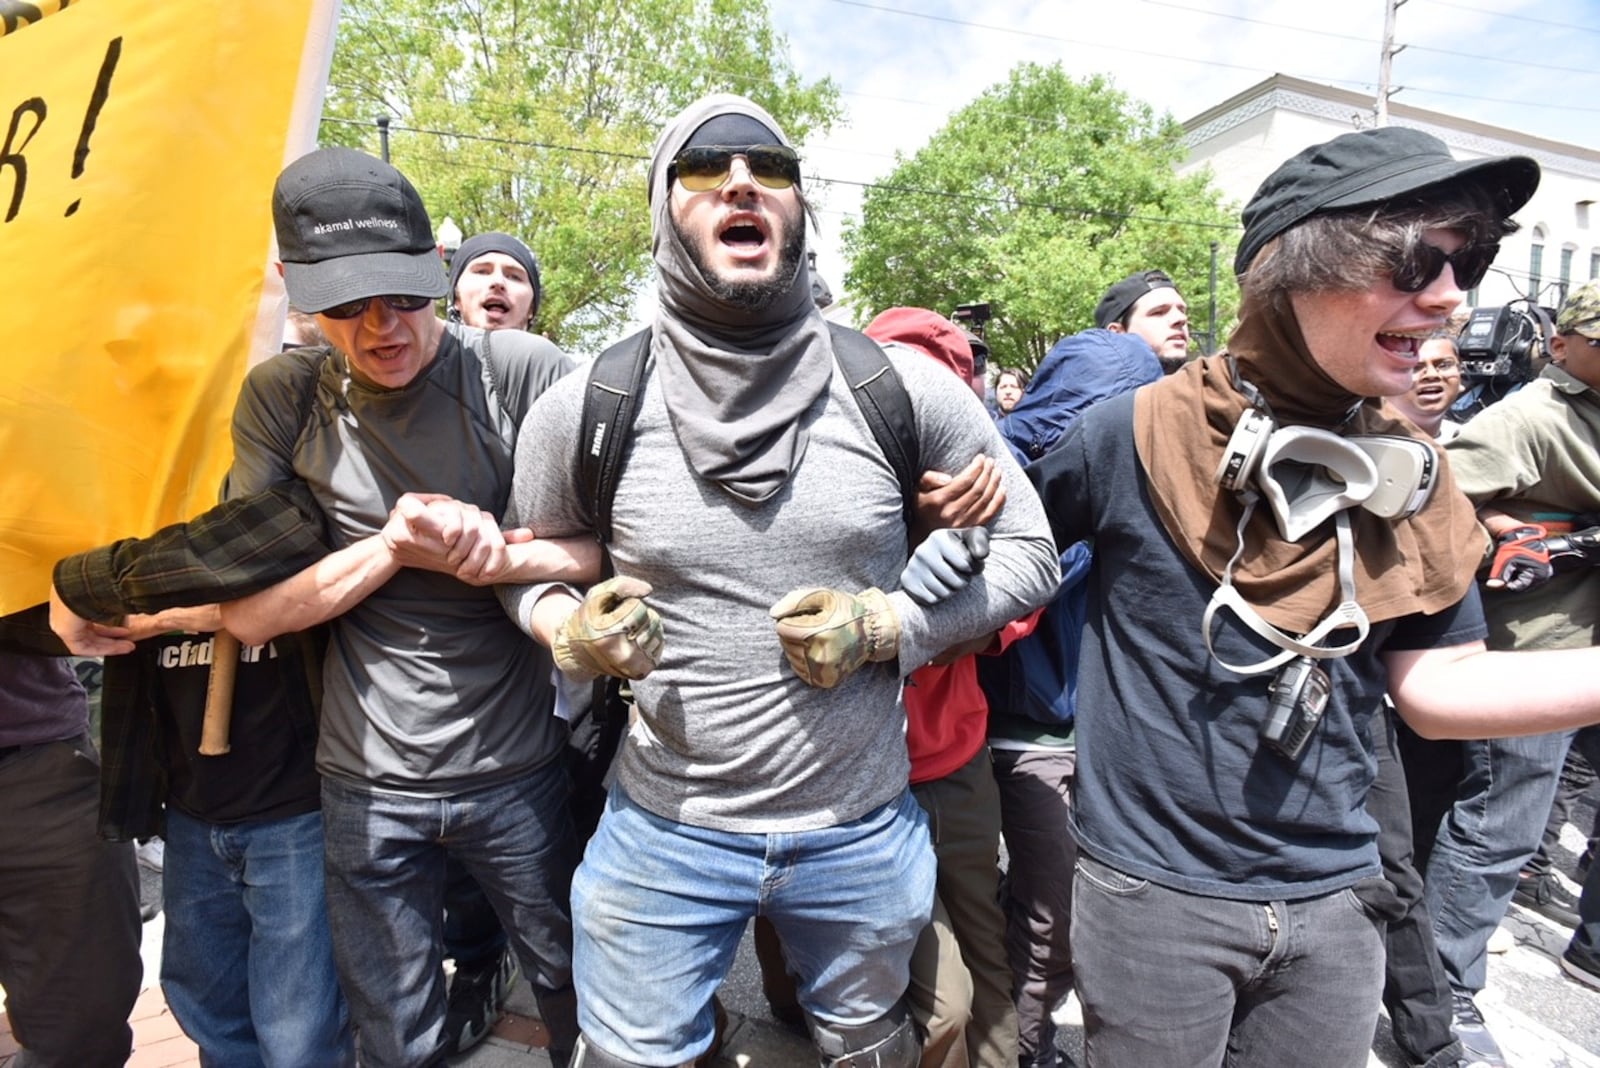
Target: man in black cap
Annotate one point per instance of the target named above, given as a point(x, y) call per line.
point(1254, 597)
point(437, 728)
point(1148, 305)
point(758, 539)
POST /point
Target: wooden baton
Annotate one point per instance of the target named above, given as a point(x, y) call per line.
point(219, 694)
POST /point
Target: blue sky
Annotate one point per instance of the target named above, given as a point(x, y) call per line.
point(904, 67)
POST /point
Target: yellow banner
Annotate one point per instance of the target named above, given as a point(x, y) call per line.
point(139, 140)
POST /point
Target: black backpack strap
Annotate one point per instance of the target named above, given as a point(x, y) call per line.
point(881, 395)
point(616, 378)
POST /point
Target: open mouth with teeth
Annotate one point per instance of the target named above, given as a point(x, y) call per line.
point(1401, 344)
point(744, 236)
point(495, 304)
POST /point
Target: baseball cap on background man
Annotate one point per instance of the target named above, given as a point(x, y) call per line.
point(1368, 167)
point(350, 226)
point(1126, 293)
point(1580, 312)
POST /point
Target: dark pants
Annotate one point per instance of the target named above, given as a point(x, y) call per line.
point(69, 911)
point(473, 937)
point(1577, 775)
point(1416, 991)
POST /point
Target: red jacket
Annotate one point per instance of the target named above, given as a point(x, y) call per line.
point(947, 716)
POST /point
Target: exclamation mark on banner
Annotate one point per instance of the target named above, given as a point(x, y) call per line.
point(102, 89)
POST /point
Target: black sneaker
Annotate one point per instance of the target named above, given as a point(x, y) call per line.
point(1545, 895)
point(1582, 965)
point(1476, 1041)
point(476, 998)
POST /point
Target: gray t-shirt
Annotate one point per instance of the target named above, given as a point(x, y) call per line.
point(428, 689)
point(728, 737)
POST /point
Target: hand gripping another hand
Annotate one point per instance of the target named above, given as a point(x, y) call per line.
point(827, 634)
point(944, 563)
point(613, 632)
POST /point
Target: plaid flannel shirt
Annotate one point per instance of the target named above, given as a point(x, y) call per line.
point(238, 548)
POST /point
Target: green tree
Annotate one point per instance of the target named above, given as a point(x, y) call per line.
point(537, 117)
point(1036, 197)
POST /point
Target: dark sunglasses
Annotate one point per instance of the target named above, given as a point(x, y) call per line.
point(703, 168)
point(399, 302)
point(1421, 263)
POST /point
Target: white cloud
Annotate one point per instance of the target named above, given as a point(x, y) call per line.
point(904, 73)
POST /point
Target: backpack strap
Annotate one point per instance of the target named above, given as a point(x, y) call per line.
point(881, 395)
point(609, 405)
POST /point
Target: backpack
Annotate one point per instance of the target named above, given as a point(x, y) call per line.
point(616, 379)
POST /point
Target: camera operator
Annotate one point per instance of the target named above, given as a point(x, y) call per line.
point(1228, 904)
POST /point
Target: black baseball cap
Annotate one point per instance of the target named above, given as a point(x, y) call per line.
point(351, 226)
point(1368, 167)
point(1126, 293)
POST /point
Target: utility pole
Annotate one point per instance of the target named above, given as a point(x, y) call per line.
point(1386, 61)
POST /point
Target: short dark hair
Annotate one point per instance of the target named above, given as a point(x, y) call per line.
point(1018, 373)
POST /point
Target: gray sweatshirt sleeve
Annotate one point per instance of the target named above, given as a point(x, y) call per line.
point(1023, 568)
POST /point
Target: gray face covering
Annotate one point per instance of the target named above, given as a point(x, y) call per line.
point(737, 380)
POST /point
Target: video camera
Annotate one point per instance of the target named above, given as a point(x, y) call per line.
point(973, 316)
point(1501, 349)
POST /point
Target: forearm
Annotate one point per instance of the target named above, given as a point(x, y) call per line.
point(203, 618)
point(1472, 692)
point(549, 612)
point(554, 560)
point(326, 589)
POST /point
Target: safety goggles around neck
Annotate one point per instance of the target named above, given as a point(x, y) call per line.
point(1417, 266)
point(702, 168)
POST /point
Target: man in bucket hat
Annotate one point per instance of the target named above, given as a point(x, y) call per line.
point(1228, 905)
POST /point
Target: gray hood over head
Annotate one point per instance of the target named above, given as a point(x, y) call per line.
point(736, 381)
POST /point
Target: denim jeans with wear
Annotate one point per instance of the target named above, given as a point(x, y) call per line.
point(247, 961)
point(659, 908)
point(1175, 980)
point(1490, 830)
point(386, 877)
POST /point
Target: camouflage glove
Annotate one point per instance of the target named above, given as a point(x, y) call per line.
point(613, 632)
point(827, 634)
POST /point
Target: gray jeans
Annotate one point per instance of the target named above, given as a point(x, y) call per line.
point(1175, 980)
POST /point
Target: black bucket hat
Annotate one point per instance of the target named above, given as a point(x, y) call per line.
point(1368, 167)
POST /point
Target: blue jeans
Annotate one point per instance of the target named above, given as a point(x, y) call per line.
point(1175, 980)
point(386, 877)
point(247, 962)
point(1501, 803)
point(659, 908)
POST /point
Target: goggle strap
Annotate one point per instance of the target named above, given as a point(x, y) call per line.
point(1345, 614)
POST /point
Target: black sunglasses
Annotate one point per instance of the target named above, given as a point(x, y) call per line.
point(399, 302)
point(703, 168)
point(1421, 263)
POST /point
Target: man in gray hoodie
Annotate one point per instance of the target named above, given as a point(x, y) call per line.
point(756, 528)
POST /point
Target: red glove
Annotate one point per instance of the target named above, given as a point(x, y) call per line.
point(1521, 559)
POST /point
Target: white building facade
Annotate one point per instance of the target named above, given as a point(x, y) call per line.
point(1243, 139)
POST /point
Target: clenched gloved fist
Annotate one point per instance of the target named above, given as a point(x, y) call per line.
point(1529, 556)
point(944, 563)
point(827, 634)
point(1521, 559)
point(613, 632)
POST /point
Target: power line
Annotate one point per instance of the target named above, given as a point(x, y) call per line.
point(1013, 202)
point(1520, 18)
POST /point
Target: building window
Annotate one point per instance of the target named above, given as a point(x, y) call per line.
point(1566, 272)
point(1594, 264)
point(1536, 263)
